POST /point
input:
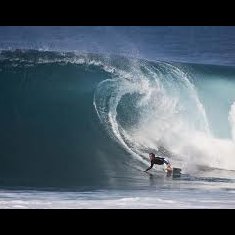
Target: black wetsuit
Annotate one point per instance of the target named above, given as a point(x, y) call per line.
point(158, 161)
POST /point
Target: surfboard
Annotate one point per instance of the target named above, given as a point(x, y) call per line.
point(175, 172)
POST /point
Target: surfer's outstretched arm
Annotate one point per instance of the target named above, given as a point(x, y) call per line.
point(149, 167)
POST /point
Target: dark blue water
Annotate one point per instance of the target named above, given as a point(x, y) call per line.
point(202, 44)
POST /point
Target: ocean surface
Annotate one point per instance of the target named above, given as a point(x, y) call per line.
point(81, 108)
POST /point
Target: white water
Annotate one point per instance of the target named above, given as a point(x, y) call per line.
point(164, 199)
point(171, 115)
point(231, 119)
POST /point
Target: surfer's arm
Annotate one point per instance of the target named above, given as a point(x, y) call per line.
point(149, 167)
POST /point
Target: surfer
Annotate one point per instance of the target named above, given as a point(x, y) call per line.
point(159, 161)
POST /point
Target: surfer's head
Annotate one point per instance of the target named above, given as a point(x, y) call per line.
point(151, 155)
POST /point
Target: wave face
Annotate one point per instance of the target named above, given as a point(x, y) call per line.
point(90, 119)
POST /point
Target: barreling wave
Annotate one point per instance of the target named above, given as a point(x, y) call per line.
point(69, 119)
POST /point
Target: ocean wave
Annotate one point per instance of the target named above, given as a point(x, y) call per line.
point(87, 119)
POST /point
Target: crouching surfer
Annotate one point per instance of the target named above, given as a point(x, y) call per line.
point(159, 161)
